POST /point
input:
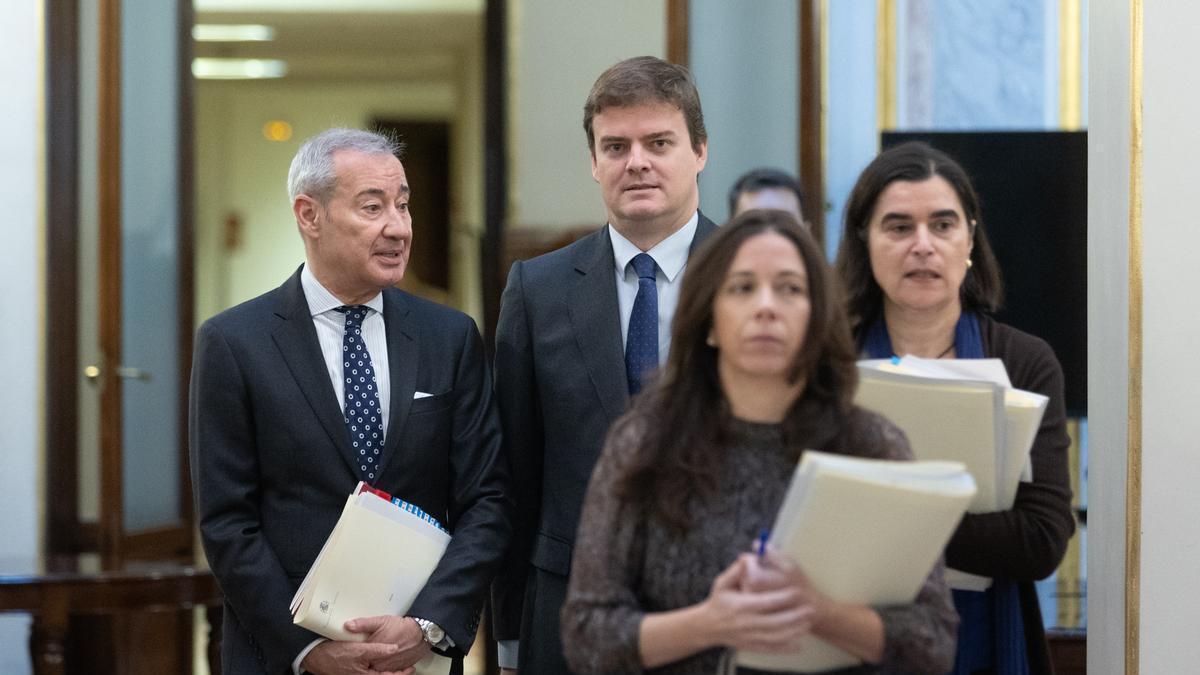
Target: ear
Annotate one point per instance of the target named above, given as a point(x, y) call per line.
point(701, 156)
point(595, 169)
point(308, 216)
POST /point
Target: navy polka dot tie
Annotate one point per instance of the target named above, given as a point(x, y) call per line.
point(364, 419)
point(641, 344)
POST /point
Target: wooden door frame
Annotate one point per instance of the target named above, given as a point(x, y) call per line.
point(65, 533)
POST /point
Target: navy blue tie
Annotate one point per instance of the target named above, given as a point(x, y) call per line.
point(364, 418)
point(641, 344)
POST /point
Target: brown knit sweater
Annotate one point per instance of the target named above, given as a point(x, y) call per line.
point(628, 563)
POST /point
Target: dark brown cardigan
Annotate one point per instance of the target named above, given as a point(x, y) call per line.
point(1027, 542)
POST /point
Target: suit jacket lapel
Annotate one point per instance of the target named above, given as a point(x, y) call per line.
point(296, 339)
point(596, 319)
point(402, 364)
point(704, 227)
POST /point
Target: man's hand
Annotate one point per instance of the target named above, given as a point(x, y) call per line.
point(400, 631)
point(350, 658)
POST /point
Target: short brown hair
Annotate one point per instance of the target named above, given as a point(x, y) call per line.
point(646, 79)
point(680, 420)
point(982, 289)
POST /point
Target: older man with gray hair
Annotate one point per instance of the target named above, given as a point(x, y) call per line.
point(333, 378)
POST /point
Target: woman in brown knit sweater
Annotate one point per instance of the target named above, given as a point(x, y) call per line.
point(761, 368)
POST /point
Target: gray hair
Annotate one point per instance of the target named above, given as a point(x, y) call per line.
point(312, 172)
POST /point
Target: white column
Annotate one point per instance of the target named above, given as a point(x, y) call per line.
point(22, 305)
point(1158, 402)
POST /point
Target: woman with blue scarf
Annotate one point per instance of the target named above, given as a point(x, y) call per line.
point(921, 279)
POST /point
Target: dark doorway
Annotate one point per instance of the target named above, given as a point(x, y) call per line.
point(427, 168)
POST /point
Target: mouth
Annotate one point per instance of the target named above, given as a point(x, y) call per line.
point(392, 255)
point(922, 275)
point(640, 186)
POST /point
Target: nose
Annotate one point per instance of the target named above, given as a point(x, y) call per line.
point(639, 159)
point(923, 242)
point(398, 224)
point(765, 302)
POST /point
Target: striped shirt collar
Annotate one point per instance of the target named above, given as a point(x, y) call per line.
point(320, 300)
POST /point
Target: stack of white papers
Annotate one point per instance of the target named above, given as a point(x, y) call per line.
point(963, 410)
point(864, 531)
point(375, 562)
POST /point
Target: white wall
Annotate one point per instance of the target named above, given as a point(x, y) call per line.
point(1171, 427)
point(557, 49)
point(1108, 335)
point(1170, 328)
point(22, 303)
point(746, 63)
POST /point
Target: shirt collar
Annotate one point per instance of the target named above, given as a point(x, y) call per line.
point(320, 300)
point(670, 254)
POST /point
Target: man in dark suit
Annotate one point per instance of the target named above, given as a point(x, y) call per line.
point(582, 327)
point(333, 378)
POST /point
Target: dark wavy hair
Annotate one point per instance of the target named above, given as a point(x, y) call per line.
point(646, 79)
point(982, 289)
point(681, 421)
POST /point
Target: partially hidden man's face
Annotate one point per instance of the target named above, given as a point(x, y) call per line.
point(646, 167)
point(361, 239)
point(781, 199)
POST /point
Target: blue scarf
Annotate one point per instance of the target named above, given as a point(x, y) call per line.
point(991, 631)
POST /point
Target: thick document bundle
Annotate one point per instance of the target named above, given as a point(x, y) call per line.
point(375, 562)
point(962, 410)
point(864, 531)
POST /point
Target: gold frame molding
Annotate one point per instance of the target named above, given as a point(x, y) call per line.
point(1070, 70)
point(1133, 477)
point(885, 64)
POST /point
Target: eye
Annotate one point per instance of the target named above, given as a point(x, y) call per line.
point(661, 144)
point(402, 207)
point(613, 148)
point(740, 287)
point(791, 288)
point(942, 225)
point(897, 227)
point(373, 207)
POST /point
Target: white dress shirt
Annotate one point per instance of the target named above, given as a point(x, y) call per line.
point(331, 331)
point(671, 256)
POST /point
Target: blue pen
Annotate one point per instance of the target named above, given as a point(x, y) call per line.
point(763, 535)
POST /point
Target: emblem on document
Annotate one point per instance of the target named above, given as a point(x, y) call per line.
point(324, 606)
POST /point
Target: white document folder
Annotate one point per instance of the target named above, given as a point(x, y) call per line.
point(864, 531)
point(375, 562)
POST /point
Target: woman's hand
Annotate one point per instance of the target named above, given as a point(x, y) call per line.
point(776, 570)
point(857, 629)
point(755, 608)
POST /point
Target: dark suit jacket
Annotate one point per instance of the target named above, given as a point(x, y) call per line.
point(272, 464)
point(560, 384)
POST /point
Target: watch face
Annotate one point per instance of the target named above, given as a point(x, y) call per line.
point(435, 634)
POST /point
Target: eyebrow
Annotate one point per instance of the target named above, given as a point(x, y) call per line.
point(944, 213)
point(783, 273)
point(653, 136)
point(380, 192)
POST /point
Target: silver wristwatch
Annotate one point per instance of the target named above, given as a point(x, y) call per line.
point(432, 632)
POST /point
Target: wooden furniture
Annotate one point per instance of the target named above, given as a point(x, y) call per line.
point(59, 596)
